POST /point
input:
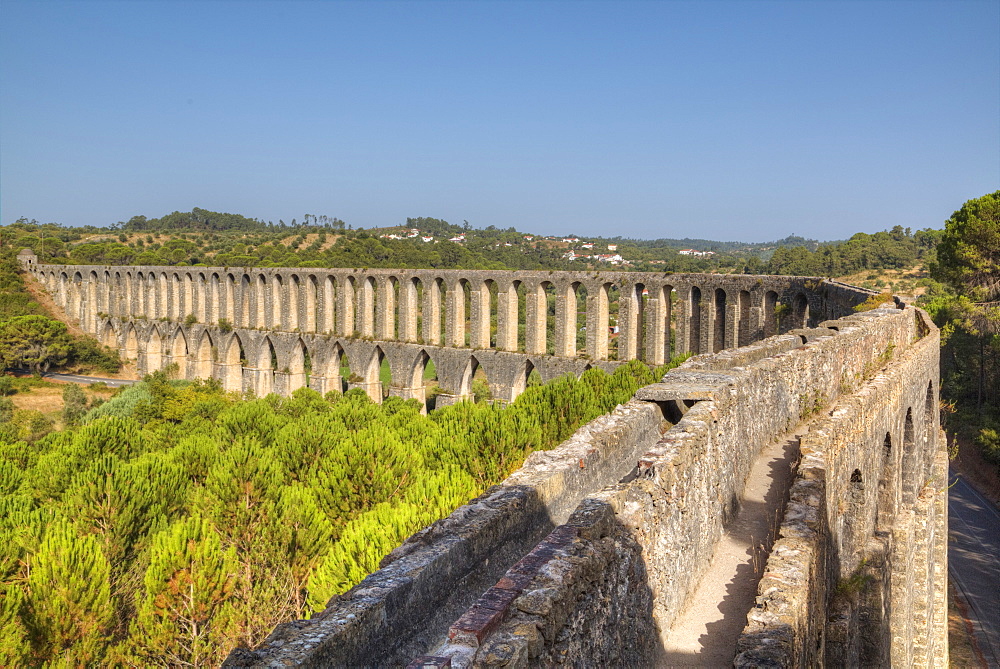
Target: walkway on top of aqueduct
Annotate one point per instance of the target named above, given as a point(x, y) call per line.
point(279, 329)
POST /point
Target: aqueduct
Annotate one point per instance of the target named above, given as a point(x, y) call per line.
point(276, 330)
point(592, 552)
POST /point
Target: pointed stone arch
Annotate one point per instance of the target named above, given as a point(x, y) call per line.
point(204, 357)
point(108, 335)
point(299, 366)
point(232, 366)
point(179, 353)
point(154, 351)
point(264, 368)
point(131, 344)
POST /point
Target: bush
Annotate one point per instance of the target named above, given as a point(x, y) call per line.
point(87, 352)
point(7, 386)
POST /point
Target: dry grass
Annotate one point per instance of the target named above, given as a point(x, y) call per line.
point(962, 650)
point(46, 397)
point(898, 281)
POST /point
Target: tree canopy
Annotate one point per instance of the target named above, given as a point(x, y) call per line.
point(968, 257)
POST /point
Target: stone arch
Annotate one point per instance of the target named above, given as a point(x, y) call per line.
point(408, 322)
point(245, 293)
point(930, 425)
point(230, 298)
point(720, 325)
point(202, 297)
point(263, 318)
point(599, 320)
point(346, 304)
point(177, 306)
point(328, 302)
point(799, 314)
point(520, 383)
point(278, 322)
point(332, 369)
point(694, 320)
point(264, 368)
point(108, 293)
point(203, 357)
point(299, 366)
point(365, 325)
point(108, 335)
point(163, 296)
point(294, 290)
point(386, 307)
point(770, 313)
point(312, 304)
point(886, 510)
point(179, 353)
point(372, 380)
point(233, 363)
point(743, 334)
point(154, 351)
point(910, 470)
point(468, 374)
point(431, 311)
point(131, 344)
point(415, 381)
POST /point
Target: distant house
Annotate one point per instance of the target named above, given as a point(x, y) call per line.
point(459, 239)
point(427, 239)
point(612, 247)
point(614, 259)
point(528, 237)
point(27, 257)
point(692, 252)
point(571, 240)
point(586, 246)
point(569, 255)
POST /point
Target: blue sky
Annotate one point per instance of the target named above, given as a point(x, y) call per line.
point(724, 120)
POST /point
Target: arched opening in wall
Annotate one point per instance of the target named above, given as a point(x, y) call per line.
point(378, 376)
point(294, 290)
point(347, 304)
point(202, 297)
point(336, 370)
point(312, 304)
point(694, 321)
point(108, 337)
point(329, 306)
point(800, 312)
point(120, 297)
point(579, 329)
point(203, 358)
point(131, 344)
point(179, 353)
point(613, 294)
point(299, 367)
point(492, 308)
point(78, 295)
point(408, 320)
point(386, 309)
point(770, 313)
point(230, 295)
point(719, 331)
point(90, 306)
point(929, 427)
point(548, 344)
point(366, 307)
point(522, 304)
point(154, 352)
point(107, 294)
point(743, 333)
point(163, 296)
point(260, 310)
point(244, 318)
point(235, 361)
point(267, 364)
point(277, 303)
point(886, 491)
point(474, 384)
point(132, 305)
point(911, 469)
point(213, 299)
point(521, 380)
point(177, 308)
point(417, 381)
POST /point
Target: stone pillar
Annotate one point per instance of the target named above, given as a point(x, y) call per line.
point(535, 313)
point(479, 336)
point(565, 344)
point(629, 323)
point(707, 321)
point(657, 325)
point(412, 393)
point(455, 315)
point(346, 308)
point(597, 322)
point(385, 324)
point(507, 317)
point(327, 311)
point(432, 313)
point(732, 336)
point(366, 308)
point(372, 388)
point(408, 310)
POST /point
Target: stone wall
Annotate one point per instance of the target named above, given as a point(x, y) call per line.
point(863, 533)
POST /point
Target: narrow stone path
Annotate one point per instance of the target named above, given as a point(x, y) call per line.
point(706, 632)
